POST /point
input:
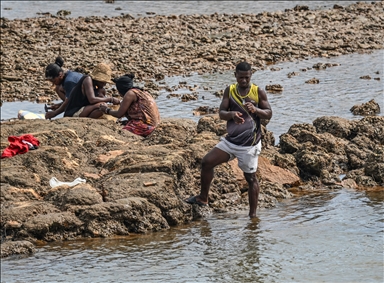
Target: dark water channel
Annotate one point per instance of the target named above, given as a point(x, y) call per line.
point(334, 236)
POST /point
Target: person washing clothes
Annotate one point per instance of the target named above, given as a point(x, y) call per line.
point(138, 106)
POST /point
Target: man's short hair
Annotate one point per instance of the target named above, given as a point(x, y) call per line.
point(243, 66)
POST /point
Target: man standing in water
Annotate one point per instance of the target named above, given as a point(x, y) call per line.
point(242, 106)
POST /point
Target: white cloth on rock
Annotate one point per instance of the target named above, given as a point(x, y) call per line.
point(55, 183)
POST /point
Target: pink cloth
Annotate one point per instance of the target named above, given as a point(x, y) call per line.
point(20, 145)
point(139, 128)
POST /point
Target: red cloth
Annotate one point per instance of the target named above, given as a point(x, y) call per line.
point(20, 145)
point(138, 127)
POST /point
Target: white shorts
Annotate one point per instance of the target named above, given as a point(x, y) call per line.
point(247, 156)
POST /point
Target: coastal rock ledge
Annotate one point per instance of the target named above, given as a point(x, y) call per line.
point(159, 46)
point(137, 185)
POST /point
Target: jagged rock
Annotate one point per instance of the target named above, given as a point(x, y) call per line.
point(17, 248)
point(333, 146)
point(366, 109)
point(153, 51)
point(274, 88)
point(312, 81)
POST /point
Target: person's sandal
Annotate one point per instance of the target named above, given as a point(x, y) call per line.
point(194, 200)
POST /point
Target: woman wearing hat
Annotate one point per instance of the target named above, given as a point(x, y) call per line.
point(89, 93)
point(64, 82)
point(137, 105)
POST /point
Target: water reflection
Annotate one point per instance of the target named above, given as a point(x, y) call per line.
point(333, 237)
point(250, 263)
point(375, 195)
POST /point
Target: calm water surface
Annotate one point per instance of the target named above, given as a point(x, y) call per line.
point(30, 9)
point(329, 237)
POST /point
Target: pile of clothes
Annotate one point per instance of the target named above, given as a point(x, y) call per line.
point(20, 145)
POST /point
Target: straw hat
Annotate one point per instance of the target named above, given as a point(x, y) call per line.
point(102, 73)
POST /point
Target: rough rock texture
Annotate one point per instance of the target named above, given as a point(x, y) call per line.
point(158, 46)
point(17, 247)
point(136, 184)
point(366, 109)
point(333, 146)
point(133, 184)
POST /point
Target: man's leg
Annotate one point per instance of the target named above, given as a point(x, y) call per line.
point(91, 111)
point(210, 161)
point(253, 192)
point(96, 114)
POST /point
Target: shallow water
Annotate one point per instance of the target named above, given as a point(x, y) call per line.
point(30, 9)
point(329, 237)
point(339, 89)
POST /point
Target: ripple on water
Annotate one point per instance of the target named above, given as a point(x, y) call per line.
point(28, 9)
point(316, 238)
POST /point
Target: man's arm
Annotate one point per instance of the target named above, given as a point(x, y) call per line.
point(61, 109)
point(88, 89)
point(226, 115)
point(263, 110)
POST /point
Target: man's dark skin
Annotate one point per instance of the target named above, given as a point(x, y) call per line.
point(60, 107)
point(92, 110)
point(216, 156)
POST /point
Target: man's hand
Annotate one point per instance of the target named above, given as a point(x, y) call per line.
point(103, 107)
point(250, 107)
point(236, 116)
point(50, 115)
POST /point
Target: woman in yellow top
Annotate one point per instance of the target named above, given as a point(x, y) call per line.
point(138, 106)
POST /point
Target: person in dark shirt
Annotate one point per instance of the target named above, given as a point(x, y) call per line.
point(89, 93)
point(242, 106)
point(64, 82)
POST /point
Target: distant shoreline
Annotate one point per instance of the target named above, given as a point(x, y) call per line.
point(33, 9)
point(154, 47)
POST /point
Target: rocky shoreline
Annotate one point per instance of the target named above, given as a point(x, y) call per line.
point(135, 185)
point(159, 46)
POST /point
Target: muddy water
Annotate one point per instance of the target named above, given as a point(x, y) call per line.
point(339, 89)
point(328, 237)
